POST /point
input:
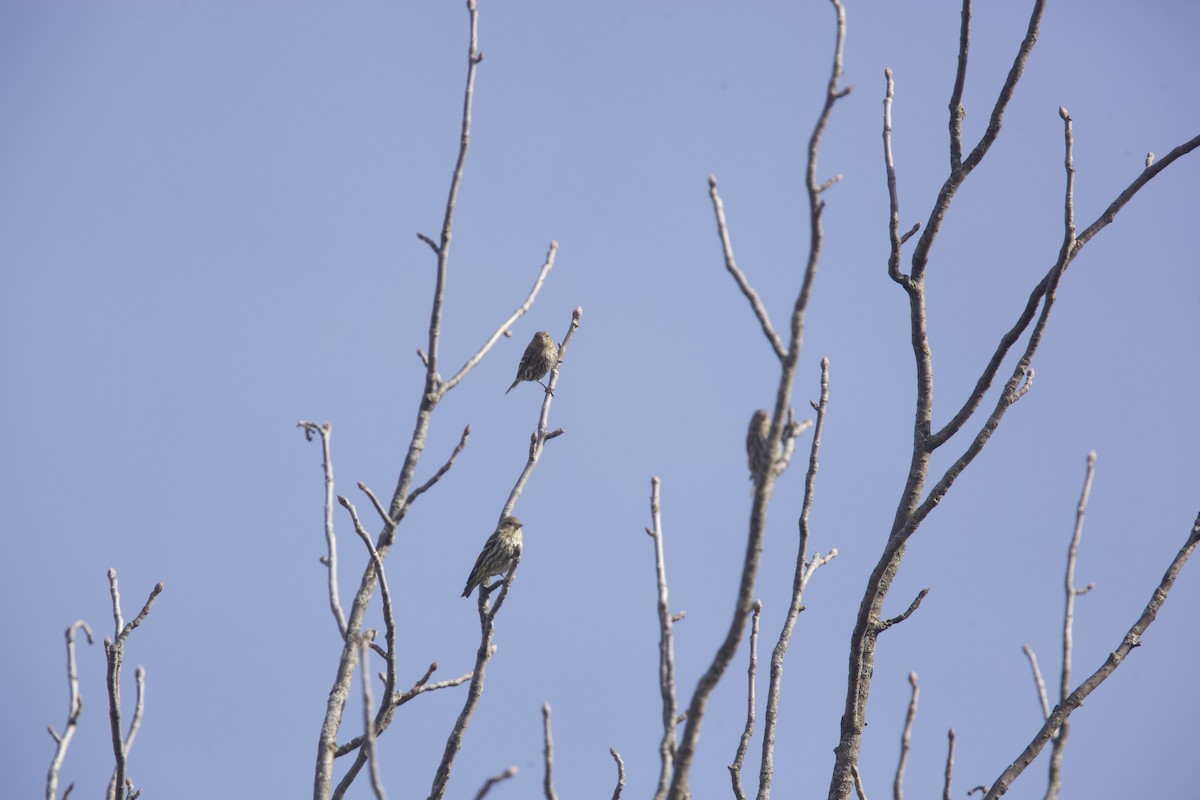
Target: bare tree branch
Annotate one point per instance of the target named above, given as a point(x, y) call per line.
point(74, 709)
point(368, 709)
point(434, 389)
point(620, 773)
point(1037, 680)
point(893, 196)
point(764, 488)
point(735, 769)
point(437, 476)
point(487, 623)
point(492, 781)
point(756, 303)
point(503, 328)
point(949, 765)
point(1059, 740)
point(858, 784)
point(960, 79)
point(389, 615)
point(325, 431)
point(385, 718)
point(1132, 639)
point(548, 753)
point(114, 652)
point(379, 509)
point(906, 737)
point(803, 572)
point(666, 646)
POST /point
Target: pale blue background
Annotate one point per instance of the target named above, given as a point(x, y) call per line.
point(207, 218)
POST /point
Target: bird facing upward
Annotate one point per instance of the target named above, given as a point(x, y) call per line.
point(758, 448)
point(540, 356)
point(498, 554)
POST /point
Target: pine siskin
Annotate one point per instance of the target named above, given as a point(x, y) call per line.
point(498, 553)
point(758, 448)
point(540, 356)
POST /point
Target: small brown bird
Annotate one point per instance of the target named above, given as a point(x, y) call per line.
point(498, 554)
point(758, 448)
point(540, 356)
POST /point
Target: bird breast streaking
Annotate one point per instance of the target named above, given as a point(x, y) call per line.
point(498, 554)
point(540, 356)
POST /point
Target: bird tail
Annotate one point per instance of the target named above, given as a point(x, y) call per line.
point(514, 385)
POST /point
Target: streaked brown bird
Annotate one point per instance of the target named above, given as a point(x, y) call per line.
point(498, 554)
point(540, 356)
point(758, 448)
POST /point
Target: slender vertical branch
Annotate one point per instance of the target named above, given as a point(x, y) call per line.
point(369, 717)
point(1059, 740)
point(548, 755)
point(764, 488)
point(335, 604)
point(74, 709)
point(803, 573)
point(666, 646)
point(949, 765)
point(960, 80)
point(893, 194)
point(114, 652)
point(735, 769)
point(906, 737)
point(487, 624)
point(389, 615)
point(443, 254)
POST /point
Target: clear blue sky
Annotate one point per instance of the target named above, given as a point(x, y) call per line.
point(207, 219)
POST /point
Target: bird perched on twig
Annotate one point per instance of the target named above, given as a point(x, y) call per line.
point(758, 447)
point(540, 356)
point(498, 554)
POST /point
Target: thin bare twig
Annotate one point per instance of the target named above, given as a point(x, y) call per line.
point(385, 718)
point(74, 709)
point(504, 326)
point(620, 773)
point(1038, 683)
point(803, 573)
point(906, 737)
point(548, 753)
point(858, 784)
point(369, 718)
point(1132, 639)
point(379, 509)
point(114, 652)
point(949, 765)
point(960, 79)
point(666, 646)
point(893, 195)
point(1059, 740)
point(389, 616)
point(437, 476)
point(492, 781)
point(325, 431)
point(735, 769)
point(739, 277)
point(913, 606)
